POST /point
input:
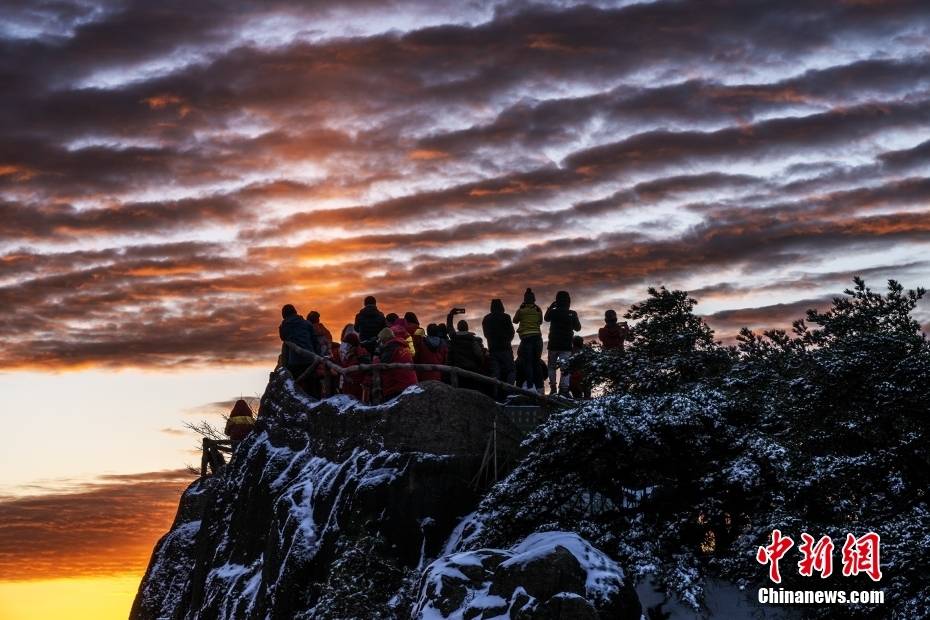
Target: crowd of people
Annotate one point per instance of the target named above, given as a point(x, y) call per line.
point(390, 338)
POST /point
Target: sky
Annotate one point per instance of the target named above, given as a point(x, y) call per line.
point(172, 174)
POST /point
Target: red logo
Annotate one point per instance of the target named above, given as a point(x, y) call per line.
point(773, 553)
point(817, 557)
point(860, 555)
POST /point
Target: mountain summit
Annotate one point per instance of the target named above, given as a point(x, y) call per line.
point(333, 509)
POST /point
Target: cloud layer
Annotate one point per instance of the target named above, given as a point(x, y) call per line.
point(170, 177)
point(100, 528)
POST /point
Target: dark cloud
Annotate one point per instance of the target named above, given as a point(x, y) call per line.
point(727, 323)
point(170, 177)
point(105, 527)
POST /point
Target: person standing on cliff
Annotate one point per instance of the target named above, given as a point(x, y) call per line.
point(614, 333)
point(296, 330)
point(393, 350)
point(368, 322)
point(430, 349)
point(498, 331)
point(324, 339)
point(528, 319)
point(563, 323)
point(241, 421)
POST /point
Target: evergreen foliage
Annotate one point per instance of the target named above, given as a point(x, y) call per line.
point(697, 451)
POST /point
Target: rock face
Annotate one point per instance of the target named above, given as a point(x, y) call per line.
point(334, 510)
point(555, 575)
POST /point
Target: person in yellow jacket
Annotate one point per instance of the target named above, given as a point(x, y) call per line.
point(529, 318)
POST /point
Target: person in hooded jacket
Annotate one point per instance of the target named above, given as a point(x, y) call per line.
point(324, 340)
point(351, 353)
point(430, 349)
point(401, 329)
point(295, 329)
point(443, 332)
point(339, 351)
point(368, 322)
point(563, 323)
point(413, 324)
point(466, 351)
point(240, 422)
point(528, 319)
point(498, 331)
point(614, 333)
point(393, 350)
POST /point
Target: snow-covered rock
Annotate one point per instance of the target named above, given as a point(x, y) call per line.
point(546, 575)
point(328, 510)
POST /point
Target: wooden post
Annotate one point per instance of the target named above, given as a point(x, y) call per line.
point(212, 456)
point(203, 458)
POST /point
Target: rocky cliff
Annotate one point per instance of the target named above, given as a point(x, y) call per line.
point(336, 510)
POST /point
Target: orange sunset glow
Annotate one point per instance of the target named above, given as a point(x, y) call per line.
point(172, 173)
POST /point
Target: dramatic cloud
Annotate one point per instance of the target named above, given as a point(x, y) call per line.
point(102, 528)
point(169, 177)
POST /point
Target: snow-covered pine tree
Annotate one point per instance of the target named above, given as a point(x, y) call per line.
point(696, 452)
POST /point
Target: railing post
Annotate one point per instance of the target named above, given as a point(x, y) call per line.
point(494, 435)
point(203, 458)
point(375, 386)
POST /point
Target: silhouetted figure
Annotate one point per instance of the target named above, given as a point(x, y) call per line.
point(563, 323)
point(343, 343)
point(324, 340)
point(539, 386)
point(614, 333)
point(368, 322)
point(498, 330)
point(295, 329)
point(466, 350)
point(443, 332)
point(529, 318)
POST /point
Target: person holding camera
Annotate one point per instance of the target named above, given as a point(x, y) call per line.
point(614, 333)
point(466, 351)
point(563, 323)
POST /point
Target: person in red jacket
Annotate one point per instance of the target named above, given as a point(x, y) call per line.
point(393, 350)
point(240, 421)
point(613, 334)
point(355, 384)
point(430, 349)
point(576, 384)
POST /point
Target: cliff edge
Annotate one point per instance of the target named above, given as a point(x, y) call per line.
point(333, 509)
